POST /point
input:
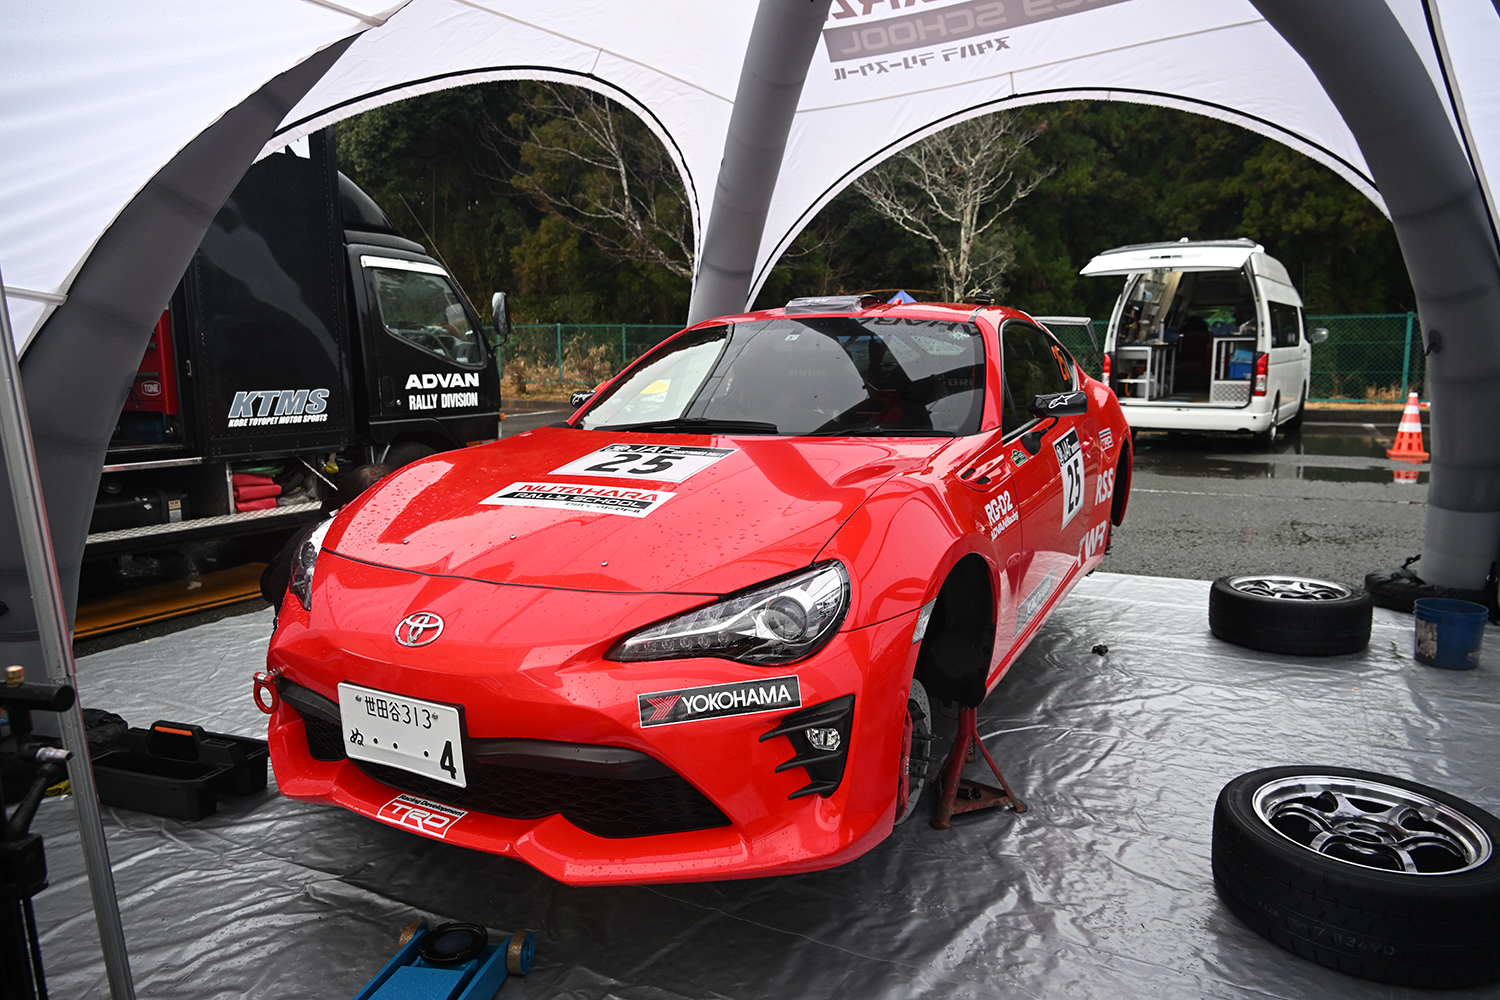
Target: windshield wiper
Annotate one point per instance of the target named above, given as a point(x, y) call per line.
point(880, 430)
point(697, 425)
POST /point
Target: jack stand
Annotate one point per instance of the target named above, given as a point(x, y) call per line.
point(957, 793)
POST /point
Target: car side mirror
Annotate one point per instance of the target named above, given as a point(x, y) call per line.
point(500, 310)
point(1060, 404)
point(1317, 335)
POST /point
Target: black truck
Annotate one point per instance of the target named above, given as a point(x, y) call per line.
point(306, 337)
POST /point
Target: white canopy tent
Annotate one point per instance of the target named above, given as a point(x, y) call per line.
point(100, 97)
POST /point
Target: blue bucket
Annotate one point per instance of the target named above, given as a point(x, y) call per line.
point(1449, 632)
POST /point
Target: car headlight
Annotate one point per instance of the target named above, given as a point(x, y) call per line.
point(771, 624)
point(303, 562)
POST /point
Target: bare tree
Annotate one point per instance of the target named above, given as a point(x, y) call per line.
point(953, 189)
point(603, 172)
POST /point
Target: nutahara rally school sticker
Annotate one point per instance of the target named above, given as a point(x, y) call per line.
point(580, 497)
point(716, 701)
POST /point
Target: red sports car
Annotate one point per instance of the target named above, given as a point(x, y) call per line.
point(691, 632)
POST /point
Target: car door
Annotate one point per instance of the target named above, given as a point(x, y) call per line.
point(1286, 362)
point(1054, 485)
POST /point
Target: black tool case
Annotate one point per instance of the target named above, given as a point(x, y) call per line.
point(179, 770)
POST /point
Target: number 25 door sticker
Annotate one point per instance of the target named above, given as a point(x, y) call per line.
point(1070, 462)
point(668, 463)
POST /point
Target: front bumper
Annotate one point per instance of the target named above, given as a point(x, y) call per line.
point(593, 702)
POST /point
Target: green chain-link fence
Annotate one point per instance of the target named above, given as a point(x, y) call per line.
point(1368, 358)
point(1376, 357)
point(560, 356)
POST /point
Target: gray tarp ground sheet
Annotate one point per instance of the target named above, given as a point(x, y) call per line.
point(1103, 889)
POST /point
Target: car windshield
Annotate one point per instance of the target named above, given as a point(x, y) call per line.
point(805, 375)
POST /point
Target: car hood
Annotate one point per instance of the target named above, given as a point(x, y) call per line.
point(755, 508)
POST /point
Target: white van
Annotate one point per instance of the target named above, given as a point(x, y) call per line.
point(1206, 336)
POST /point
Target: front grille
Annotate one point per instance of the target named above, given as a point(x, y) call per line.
point(602, 805)
point(606, 791)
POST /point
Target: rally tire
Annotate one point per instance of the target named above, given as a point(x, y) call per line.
point(1420, 930)
point(1327, 620)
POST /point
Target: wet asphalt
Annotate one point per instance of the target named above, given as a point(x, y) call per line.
point(1323, 501)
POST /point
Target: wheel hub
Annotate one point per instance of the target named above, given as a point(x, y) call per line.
point(1372, 825)
point(1290, 588)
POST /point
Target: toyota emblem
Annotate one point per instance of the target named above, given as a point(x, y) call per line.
point(419, 629)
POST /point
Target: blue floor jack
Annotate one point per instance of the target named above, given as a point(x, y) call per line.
point(450, 962)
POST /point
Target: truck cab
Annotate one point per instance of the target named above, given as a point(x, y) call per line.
point(306, 336)
point(1206, 336)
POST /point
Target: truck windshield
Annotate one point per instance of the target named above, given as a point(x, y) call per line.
point(805, 376)
point(418, 305)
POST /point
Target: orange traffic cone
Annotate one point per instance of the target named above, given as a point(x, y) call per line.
point(1409, 435)
point(1405, 475)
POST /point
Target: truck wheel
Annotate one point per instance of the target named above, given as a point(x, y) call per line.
point(1372, 875)
point(1296, 421)
point(1290, 614)
point(406, 452)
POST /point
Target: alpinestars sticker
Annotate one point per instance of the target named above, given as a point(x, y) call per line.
point(663, 708)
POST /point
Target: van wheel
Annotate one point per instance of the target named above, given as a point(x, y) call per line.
point(1299, 615)
point(1369, 874)
point(406, 452)
point(1267, 437)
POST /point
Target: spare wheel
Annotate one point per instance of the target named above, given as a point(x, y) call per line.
point(1373, 875)
point(1290, 614)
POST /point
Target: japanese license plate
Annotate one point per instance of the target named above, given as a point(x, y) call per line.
point(418, 736)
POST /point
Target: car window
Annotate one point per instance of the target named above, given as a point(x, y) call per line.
point(1033, 364)
point(1286, 325)
point(662, 384)
point(819, 375)
point(418, 305)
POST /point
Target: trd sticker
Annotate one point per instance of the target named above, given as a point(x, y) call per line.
point(422, 815)
point(663, 708)
point(669, 463)
point(1034, 601)
point(579, 497)
point(1070, 463)
point(1106, 439)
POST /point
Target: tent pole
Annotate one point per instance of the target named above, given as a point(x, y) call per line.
point(57, 653)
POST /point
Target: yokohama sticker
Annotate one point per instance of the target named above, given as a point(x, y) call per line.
point(663, 708)
point(422, 815)
point(579, 497)
point(669, 463)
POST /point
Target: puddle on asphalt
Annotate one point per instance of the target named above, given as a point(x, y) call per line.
point(1299, 454)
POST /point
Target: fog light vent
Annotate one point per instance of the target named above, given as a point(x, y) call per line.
point(820, 736)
